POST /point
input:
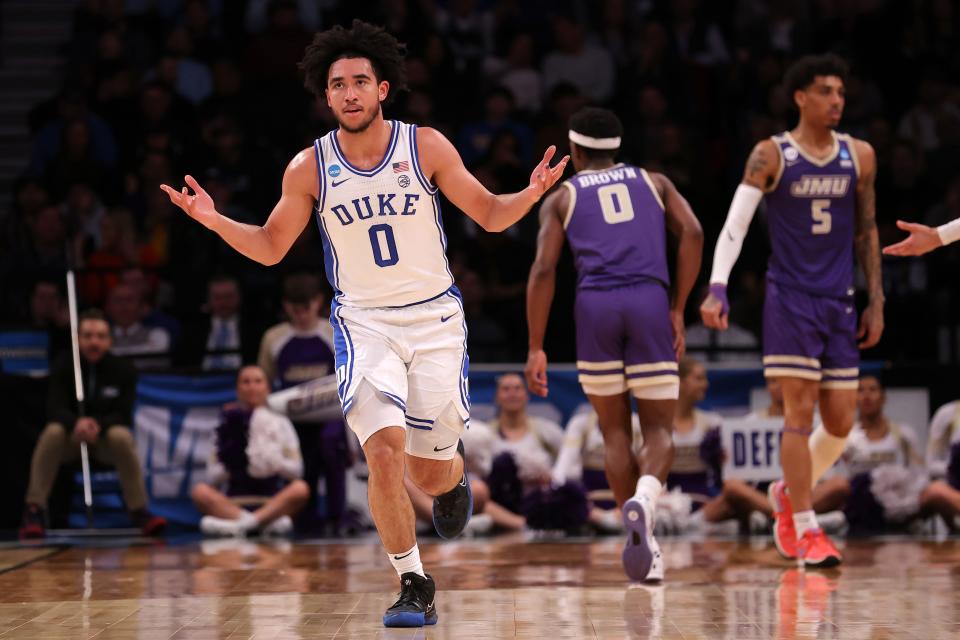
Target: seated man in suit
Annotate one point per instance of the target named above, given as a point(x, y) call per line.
point(222, 339)
point(110, 383)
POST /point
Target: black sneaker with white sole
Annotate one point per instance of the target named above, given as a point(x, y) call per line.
point(415, 607)
point(452, 510)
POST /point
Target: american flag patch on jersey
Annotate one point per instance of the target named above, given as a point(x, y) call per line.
point(400, 167)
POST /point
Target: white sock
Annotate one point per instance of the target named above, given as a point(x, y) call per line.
point(825, 449)
point(407, 561)
point(650, 487)
point(248, 521)
point(803, 521)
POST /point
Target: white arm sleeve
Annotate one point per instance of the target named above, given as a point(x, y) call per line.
point(949, 232)
point(744, 205)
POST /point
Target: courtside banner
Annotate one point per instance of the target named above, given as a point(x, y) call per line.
point(751, 449)
point(176, 415)
point(174, 422)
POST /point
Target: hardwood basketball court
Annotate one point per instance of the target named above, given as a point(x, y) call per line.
point(501, 588)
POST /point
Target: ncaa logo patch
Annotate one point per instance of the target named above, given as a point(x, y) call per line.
point(404, 181)
point(844, 154)
point(790, 154)
point(334, 170)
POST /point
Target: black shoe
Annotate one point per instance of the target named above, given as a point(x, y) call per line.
point(33, 526)
point(452, 510)
point(415, 607)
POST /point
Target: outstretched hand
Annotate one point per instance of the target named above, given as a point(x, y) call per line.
point(200, 206)
point(544, 176)
point(922, 239)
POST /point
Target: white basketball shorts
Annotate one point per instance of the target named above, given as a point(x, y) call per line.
point(414, 361)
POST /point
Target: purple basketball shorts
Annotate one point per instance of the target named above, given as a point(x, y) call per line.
point(624, 339)
point(810, 337)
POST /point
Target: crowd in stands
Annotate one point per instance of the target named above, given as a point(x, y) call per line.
point(153, 90)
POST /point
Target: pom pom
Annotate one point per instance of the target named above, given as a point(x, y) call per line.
point(563, 508)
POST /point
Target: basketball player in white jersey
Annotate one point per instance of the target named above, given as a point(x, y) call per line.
point(397, 316)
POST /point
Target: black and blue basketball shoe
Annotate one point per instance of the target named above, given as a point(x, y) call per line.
point(452, 510)
point(415, 606)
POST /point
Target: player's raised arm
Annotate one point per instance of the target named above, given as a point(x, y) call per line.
point(759, 175)
point(684, 226)
point(445, 168)
point(540, 287)
point(269, 243)
point(867, 245)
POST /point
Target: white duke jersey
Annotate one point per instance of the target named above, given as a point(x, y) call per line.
point(383, 239)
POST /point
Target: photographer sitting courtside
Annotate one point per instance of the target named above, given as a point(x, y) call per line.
point(110, 385)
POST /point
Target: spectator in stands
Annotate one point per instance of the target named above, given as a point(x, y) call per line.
point(116, 250)
point(519, 449)
point(46, 246)
point(110, 386)
point(76, 161)
point(255, 463)
point(126, 309)
point(180, 69)
point(83, 212)
point(516, 72)
point(295, 352)
point(48, 312)
point(587, 66)
point(698, 457)
point(582, 459)
point(71, 108)
point(704, 80)
point(273, 54)
point(695, 38)
point(943, 463)
point(475, 138)
point(880, 475)
point(152, 288)
point(222, 338)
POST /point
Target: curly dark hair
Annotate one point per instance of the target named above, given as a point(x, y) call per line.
point(361, 40)
point(801, 73)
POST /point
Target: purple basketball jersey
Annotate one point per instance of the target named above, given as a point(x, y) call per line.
point(304, 358)
point(811, 213)
point(616, 229)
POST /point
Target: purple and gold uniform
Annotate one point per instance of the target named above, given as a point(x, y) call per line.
point(809, 319)
point(616, 229)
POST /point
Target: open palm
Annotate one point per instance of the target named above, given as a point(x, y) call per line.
point(544, 176)
point(200, 206)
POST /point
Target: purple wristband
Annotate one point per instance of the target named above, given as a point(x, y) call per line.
point(719, 291)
